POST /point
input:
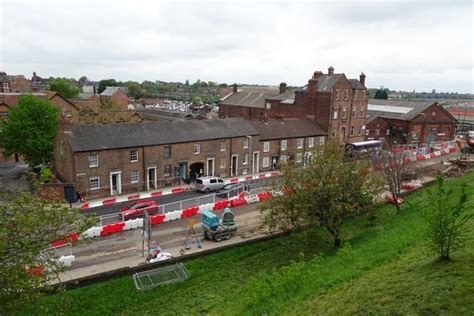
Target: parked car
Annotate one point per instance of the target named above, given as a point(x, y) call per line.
point(137, 209)
point(206, 184)
point(230, 190)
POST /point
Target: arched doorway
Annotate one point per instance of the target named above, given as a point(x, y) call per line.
point(195, 170)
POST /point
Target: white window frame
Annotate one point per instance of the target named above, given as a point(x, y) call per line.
point(344, 114)
point(352, 130)
point(223, 145)
point(334, 114)
point(245, 159)
point(268, 105)
point(136, 155)
point(132, 175)
point(311, 142)
point(197, 149)
point(222, 164)
point(266, 147)
point(246, 143)
point(334, 132)
point(98, 183)
point(321, 140)
point(283, 158)
point(91, 164)
point(283, 144)
point(265, 162)
point(354, 112)
point(299, 157)
point(337, 94)
point(299, 143)
point(346, 94)
point(356, 94)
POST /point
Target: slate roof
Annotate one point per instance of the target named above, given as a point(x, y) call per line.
point(356, 84)
point(254, 98)
point(289, 128)
point(394, 109)
point(109, 91)
point(115, 136)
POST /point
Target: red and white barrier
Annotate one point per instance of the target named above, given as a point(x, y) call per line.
point(146, 195)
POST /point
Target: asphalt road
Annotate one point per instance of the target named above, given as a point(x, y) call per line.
point(188, 198)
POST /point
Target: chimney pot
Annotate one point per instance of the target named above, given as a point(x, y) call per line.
point(282, 87)
point(317, 75)
point(330, 71)
point(234, 88)
point(362, 78)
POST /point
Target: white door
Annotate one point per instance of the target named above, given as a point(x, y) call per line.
point(255, 162)
point(116, 183)
point(151, 178)
point(210, 167)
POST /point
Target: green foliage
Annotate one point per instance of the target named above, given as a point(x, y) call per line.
point(29, 225)
point(447, 221)
point(103, 84)
point(135, 90)
point(31, 129)
point(64, 88)
point(325, 192)
point(382, 93)
point(388, 275)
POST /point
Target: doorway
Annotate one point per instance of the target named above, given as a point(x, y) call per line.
point(210, 166)
point(234, 165)
point(183, 167)
point(116, 183)
point(195, 170)
point(255, 160)
point(151, 179)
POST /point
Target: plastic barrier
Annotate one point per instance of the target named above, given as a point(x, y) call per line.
point(264, 195)
point(156, 219)
point(206, 207)
point(234, 180)
point(133, 197)
point(452, 149)
point(159, 193)
point(409, 186)
point(177, 190)
point(420, 157)
point(108, 202)
point(252, 199)
point(220, 205)
point(238, 202)
point(190, 211)
point(67, 261)
point(92, 232)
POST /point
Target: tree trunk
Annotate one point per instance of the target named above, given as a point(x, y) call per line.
point(337, 241)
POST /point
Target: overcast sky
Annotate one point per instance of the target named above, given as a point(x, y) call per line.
point(407, 45)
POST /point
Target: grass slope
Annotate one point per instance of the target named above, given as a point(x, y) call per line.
point(383, 269)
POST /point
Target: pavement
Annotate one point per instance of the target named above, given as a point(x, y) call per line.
point(124, 249)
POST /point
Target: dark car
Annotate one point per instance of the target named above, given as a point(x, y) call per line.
point(230, 190)
point(137, 209)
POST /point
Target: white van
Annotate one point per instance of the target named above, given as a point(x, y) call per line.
point(206, 184)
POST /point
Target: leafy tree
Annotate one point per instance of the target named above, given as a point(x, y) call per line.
point(29, 225)
point(392, 167)
point(30, 130)
point(135, 90)
point(223, 85)
point(64, 88)
point(325, 192)
point(196, 100)
point(187, 83)
point(83, 80)
point(446, 221)
point(106, 83)
point(382, 93)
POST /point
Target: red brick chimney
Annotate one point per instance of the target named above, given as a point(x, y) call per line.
point(330, 71)
point(313, 82)
point(234, 88)
point(282, 87)
point(362, 78)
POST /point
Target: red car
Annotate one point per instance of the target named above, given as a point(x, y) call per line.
point(137, 209)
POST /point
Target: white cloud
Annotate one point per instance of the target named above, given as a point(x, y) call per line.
point(420, 45)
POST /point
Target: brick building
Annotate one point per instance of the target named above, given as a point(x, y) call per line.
point(402, 122)
point(117, 95)
point(337, 104)
point(103, 160)
point(11, 83)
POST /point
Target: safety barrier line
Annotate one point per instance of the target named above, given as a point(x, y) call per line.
point(145, 195)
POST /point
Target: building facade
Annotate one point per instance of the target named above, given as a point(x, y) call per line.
point(336, 104)
point(403, 122)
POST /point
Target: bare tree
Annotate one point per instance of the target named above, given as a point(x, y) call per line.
point(393, 167)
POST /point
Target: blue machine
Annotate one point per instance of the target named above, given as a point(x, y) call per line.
point(214, 229)
point(210, 219)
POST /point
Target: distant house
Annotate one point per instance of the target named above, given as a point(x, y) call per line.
point(38, 83)
point(14, 83)
point(117, 95)
point(402, 122)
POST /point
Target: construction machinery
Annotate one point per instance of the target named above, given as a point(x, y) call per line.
point(216, 229)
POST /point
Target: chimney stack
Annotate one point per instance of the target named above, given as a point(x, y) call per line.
point(313, 82)
point(235, 88)
point(330, 71)
point(362, 78)
point(282, 87)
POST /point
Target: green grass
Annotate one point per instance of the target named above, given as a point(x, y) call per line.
point(385, 270)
